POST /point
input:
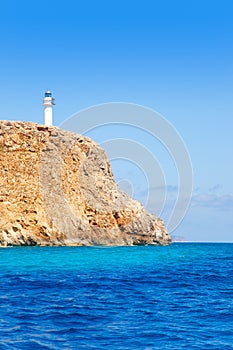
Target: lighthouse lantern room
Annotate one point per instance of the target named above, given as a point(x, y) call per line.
point(48, 103)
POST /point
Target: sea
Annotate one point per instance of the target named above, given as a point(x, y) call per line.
point(174, 297)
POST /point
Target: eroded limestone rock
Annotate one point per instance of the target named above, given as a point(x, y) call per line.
point(57, 188)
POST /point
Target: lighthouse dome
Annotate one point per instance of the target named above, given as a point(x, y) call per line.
point(48, 93)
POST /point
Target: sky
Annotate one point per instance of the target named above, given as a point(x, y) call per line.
point(174, 57)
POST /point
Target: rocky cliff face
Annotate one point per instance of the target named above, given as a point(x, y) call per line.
point(57, 188)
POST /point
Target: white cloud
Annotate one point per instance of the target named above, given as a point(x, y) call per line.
point(213, 201)
point(215, 188)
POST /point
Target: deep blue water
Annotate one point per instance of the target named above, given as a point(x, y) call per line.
point(176, 297)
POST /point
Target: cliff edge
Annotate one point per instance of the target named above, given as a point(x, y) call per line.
point(57, 188)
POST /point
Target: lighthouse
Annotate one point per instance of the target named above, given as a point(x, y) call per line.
point(48, 103)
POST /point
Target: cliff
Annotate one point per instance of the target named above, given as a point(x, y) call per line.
point(57, 188)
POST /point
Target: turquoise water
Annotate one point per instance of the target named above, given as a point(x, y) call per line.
point(176, 297)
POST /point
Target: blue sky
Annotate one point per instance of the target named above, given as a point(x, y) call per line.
point(175, 57)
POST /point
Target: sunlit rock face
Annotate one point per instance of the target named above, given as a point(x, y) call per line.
point(57, 188)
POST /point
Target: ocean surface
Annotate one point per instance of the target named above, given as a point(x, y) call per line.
point(176, 297)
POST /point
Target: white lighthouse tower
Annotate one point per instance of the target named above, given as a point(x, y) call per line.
point(48, 103)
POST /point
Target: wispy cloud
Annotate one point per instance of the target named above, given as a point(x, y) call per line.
point(213, 201)
point(215, 188)
point(169, 189)
point(213, 198)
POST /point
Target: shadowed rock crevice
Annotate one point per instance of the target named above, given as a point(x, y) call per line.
point(57, 188)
